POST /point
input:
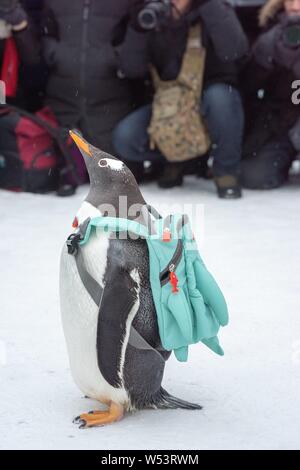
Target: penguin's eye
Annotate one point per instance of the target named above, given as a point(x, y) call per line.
point(103, 162)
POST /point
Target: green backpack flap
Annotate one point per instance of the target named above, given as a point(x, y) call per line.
point(189, 304)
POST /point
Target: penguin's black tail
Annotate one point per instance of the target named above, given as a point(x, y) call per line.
point(163, 400)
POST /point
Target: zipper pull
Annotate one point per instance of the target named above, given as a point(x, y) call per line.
point(173, 279)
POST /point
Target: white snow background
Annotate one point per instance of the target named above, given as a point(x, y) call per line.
point(251, 396)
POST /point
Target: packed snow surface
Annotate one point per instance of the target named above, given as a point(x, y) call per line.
point(250, 397)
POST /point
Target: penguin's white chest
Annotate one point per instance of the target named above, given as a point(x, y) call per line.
point(80, 320)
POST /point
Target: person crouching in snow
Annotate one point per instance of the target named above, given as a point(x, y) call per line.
point(268, 80)
point(164, 47)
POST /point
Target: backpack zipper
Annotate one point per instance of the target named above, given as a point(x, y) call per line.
point(172, 266)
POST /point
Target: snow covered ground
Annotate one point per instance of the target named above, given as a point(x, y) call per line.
point(251, 396)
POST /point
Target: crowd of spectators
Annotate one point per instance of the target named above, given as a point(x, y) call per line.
point(90, 63)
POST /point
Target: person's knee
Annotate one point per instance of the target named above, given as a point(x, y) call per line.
point(255, 174)
point(130, 135)
point(269, 168)
point(122, 136)
point(221, 96)
point(223, 110)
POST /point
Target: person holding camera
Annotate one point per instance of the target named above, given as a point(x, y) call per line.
point(273, 138)
point(166, 34)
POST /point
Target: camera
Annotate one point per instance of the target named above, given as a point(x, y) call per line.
point(154, 14)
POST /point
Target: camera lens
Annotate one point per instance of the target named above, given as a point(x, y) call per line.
point(147, 19)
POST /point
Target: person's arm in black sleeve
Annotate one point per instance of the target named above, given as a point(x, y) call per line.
point(132, 54)
point(253, 78)
point(28, 45)
point(224, 29)
point(263, 50)
point(50, 36)
point(260, 65)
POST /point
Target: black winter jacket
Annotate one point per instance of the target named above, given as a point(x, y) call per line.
point(223, 38)
point(273, 67)
point(83, 87)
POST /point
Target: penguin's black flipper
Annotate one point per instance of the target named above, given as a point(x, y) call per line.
point(166, 401)
point(118, 299)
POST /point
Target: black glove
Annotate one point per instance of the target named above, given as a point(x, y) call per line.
point(12, 12)
point(7, 5)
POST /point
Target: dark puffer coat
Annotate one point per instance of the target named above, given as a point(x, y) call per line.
point(273, 68)
point(83, 87)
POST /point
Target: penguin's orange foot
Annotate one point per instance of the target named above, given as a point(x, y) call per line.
point(100, 418)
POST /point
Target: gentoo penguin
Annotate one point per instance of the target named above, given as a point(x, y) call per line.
point(104, 363)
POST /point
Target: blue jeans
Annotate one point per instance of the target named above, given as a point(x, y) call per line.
point(222, 109)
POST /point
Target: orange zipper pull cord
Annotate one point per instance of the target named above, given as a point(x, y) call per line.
point(174, 282)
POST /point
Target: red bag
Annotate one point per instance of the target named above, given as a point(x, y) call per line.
point(37, 157)
point(35, 144)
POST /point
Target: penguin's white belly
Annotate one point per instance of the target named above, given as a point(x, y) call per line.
point(80, 321)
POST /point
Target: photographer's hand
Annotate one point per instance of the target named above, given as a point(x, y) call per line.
point(14, 16)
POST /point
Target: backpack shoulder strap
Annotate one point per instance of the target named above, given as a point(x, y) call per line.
point(114, 224)
point(96, 292)
point(157, 82)
point(193, 62)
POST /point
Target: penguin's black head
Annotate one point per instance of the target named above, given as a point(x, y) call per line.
point(110, 178)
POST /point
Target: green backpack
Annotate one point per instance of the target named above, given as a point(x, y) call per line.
point(189, 304)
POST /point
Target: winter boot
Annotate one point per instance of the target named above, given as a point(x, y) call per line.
point(172, 175)
point(228, 187)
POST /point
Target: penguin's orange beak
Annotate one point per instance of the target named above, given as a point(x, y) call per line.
point(81, 143)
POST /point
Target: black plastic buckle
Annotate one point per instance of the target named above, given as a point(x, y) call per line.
point(73, 242)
